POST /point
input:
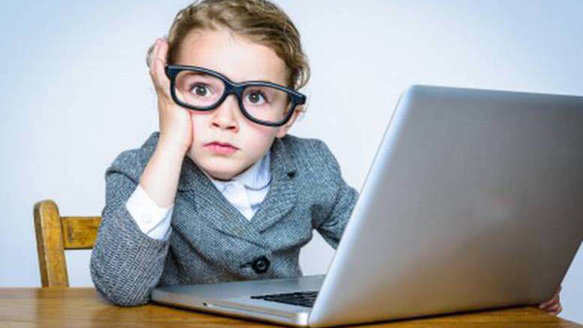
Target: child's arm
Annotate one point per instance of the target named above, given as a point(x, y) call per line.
point(160, 177)
point(126, 263)
point(331, 227)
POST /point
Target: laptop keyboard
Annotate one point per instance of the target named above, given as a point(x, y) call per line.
point(305, 299)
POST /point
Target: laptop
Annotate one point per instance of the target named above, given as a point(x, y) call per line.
point(474, 201)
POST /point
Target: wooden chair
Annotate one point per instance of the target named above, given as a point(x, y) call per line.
point(55, 234)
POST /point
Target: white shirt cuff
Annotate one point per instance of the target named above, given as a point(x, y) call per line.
point(153, 220)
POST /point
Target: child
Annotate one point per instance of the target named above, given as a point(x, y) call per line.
point(222, 192)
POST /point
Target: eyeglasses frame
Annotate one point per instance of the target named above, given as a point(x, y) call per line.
point(232, 88)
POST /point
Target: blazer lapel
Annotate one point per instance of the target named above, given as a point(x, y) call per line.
point(209, 204)
point(212, 207)
point(282, 195)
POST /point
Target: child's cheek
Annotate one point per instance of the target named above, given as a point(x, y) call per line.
point(198, 128)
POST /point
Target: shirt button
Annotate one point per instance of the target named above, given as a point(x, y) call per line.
point(146, 218)
point(261, 265)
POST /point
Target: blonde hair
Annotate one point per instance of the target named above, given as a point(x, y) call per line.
point(258, 20)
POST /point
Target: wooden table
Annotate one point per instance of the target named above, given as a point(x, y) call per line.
point(81, 307)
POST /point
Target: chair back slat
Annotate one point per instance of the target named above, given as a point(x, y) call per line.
point(55, 234)
point(80, 232)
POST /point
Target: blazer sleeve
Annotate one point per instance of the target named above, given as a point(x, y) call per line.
point(344, 197)
point(126, 264)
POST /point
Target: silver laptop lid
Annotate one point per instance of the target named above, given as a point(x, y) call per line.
point(474, 200)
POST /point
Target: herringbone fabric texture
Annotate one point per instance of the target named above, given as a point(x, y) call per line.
point(210, 240)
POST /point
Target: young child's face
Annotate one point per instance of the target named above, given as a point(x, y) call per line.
point(239, 59)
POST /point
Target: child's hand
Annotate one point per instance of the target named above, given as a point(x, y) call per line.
point(175, 123)
point(552, 306)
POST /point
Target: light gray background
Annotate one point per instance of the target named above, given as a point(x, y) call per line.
point(76, 92)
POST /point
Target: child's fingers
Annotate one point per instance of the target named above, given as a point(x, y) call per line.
point(150, 55)
point(556, 309)
point(158, 66)
point(552, 301)
point(553, 307)
point(549, 307)
point(153, 56)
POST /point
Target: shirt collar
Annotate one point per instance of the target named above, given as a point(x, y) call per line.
point(256, 177)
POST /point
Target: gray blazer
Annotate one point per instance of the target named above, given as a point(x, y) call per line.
point(210, 240)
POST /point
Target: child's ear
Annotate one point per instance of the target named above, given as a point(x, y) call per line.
point(282, 130)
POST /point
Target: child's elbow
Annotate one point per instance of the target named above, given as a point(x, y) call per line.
point(119, 299)
point(115, 292)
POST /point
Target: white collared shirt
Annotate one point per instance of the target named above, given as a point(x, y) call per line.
point(245, 192)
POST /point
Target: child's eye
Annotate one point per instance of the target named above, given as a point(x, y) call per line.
point(256, 98)
point(200, 89)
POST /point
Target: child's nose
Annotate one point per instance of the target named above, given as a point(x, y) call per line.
point(226, 116)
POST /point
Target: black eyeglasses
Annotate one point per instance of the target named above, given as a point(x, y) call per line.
point(261, 102)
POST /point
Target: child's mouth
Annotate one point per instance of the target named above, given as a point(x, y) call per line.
point(220, 148)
